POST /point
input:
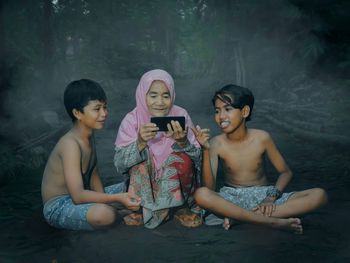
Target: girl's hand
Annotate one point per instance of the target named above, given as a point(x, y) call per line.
point(147, 132)
point(176, 132)
point(202, 136)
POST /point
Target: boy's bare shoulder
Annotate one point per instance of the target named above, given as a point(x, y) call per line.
point(67, 143)
point(217, 141)
point(260, 134)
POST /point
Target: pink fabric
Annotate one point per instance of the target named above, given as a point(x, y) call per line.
point(160, 146)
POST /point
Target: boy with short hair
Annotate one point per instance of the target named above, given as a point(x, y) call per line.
point(245, 195)
point(72, 191)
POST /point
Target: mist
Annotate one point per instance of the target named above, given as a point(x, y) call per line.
point(293, 54)
point(282, 50)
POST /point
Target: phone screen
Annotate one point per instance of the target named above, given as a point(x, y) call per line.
point(162, 122)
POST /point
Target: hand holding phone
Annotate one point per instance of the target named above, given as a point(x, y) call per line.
point(147, 132)
point(174, 126)
point(162, 122)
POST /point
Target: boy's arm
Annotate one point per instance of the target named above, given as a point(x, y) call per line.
point(210, 157)
point(70, 155)
point(96, 183)
point(209, 168)
point(279, 163)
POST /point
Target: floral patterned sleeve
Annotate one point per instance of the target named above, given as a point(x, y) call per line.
point(128, 156)
point(195, 153)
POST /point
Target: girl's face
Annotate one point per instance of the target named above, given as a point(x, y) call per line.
point(158, 99)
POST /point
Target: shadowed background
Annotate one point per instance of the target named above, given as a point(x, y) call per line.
point(294, 55)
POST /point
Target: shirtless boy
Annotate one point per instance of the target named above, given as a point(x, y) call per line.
point(246, 195)
point(72, 192)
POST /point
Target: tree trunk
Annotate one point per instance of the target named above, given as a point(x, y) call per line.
point(48, 43)
point(239, 65)
point(232, 57)
point(5, 70)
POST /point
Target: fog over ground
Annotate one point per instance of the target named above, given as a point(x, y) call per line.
point(293, 55)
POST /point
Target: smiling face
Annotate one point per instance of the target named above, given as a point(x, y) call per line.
point(94, 114)
point(229, 118)
point(158, 99)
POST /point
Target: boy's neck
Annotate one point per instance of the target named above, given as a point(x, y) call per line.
point(238, 135)
point(82, 131)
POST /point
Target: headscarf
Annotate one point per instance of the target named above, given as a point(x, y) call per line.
point(160, 146)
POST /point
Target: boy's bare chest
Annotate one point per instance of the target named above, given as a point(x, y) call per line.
point(242, 157)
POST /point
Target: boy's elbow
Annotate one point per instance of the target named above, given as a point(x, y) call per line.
point(210, 184)
point(77, 198)
point(288, 174)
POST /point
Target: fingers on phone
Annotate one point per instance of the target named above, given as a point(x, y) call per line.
point(170, 128)
point(151, 127)
point(177, 126)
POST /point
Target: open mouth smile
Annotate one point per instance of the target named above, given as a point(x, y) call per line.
point(224, 124)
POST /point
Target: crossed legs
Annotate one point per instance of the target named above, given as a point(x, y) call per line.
point(300, 203)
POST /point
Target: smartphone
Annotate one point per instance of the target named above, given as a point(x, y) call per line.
point(162, 122)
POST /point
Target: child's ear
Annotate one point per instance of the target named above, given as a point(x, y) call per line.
point(77, 114)
point(245, 111)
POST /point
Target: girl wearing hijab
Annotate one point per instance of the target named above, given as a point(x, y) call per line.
point(164, 167)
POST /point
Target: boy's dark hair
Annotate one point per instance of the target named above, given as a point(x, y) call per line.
point(78, 93)
point(235, 96)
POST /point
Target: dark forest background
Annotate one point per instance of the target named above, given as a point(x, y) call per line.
point(293, 54)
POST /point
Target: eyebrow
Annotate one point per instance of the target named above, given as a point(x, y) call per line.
point(225, 105)
point(156, 93)
point(100, 104)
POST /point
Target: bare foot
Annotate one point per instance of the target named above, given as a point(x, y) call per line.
point(229, 223)
point(133, 219)
point(188, 218)
point(289, 224)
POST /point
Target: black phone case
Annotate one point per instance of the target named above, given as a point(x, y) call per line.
point(162, 122)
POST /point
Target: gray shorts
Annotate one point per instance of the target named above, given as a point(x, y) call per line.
point(245, 197)
point(61, 212)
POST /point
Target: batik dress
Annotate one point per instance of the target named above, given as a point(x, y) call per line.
point(172, 187)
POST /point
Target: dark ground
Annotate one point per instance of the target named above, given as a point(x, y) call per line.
point(25, 237)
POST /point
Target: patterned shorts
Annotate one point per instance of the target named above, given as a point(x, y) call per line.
point(61, 212)
point(245, 197)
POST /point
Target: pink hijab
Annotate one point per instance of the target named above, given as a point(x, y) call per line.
point(160, 146)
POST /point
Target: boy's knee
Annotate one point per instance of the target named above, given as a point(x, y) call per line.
point(101, 215)
point(202, 195)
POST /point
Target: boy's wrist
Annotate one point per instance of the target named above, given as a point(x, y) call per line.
point(270, 199)
point(118, 198)
point(205, 146)
point(205, 149)
point(273, 192)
